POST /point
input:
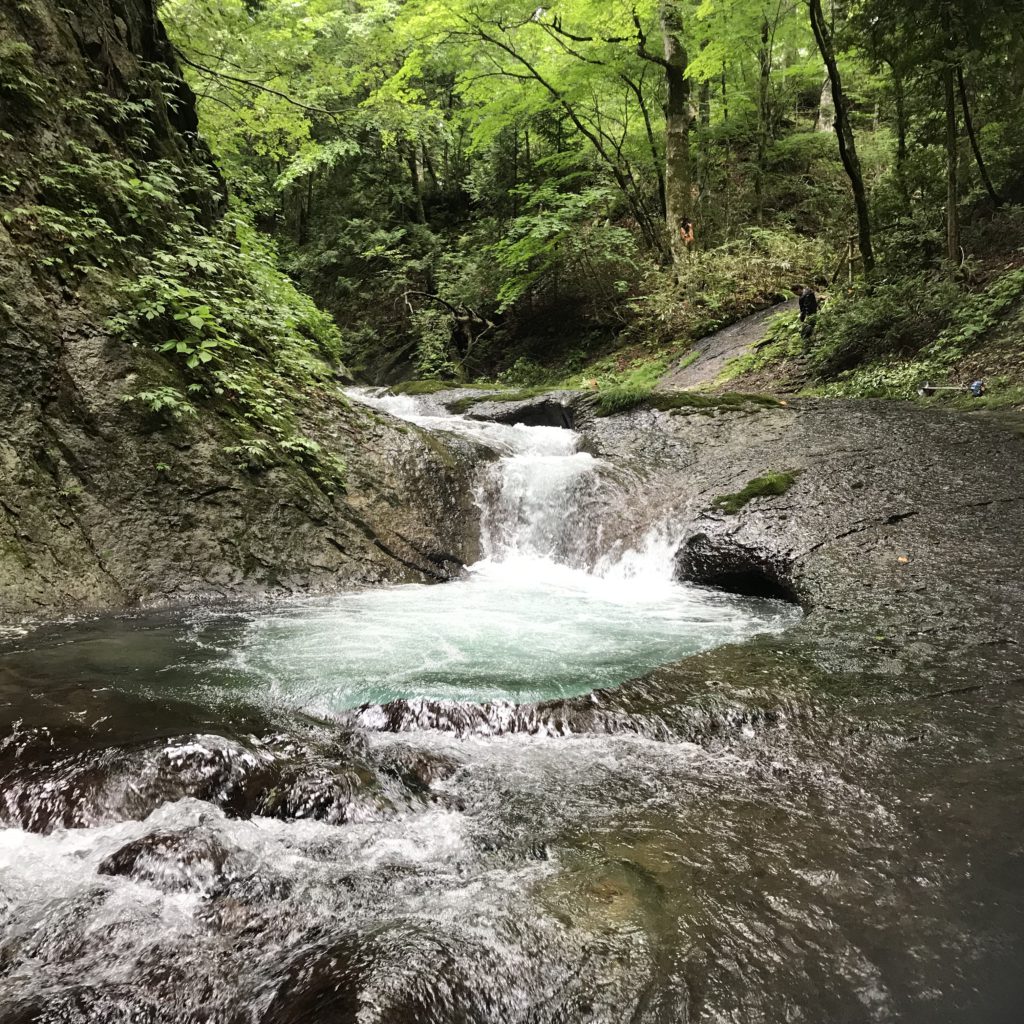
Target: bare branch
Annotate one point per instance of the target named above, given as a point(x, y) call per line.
point(203, 69)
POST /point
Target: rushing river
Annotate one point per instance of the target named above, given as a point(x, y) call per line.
point(242, 817)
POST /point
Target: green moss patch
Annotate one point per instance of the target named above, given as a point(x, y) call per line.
point(628, 396)
point(770, 485)
point(423, 387)
point(462, 405)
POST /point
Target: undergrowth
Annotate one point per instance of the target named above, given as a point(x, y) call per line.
point(970, 320)
point(138, 241)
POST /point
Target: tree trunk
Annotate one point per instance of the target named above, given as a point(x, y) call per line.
point(704, 96)
point(305, 212)
point(972, 135)
point(844, 135)
point(952, 166)
point(412, 162)
point(900, 96)
point(678, 118)
point(764, 60)
point(948, 77)
point(826, 121)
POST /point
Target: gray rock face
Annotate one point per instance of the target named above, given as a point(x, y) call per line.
point(103, 506)
point(900, 538)
point(99, 515)
point(736, 568)
point(553, 409)
point(898, 514)
point(711, 355)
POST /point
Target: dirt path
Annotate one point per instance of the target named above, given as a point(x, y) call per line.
point(717, 350)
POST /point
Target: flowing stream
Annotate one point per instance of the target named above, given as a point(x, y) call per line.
point(219, 818)
point(545, 613)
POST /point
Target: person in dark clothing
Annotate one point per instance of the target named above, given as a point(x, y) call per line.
point(808, 304)
point(808, 310)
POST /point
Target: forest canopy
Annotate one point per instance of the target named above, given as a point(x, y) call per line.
point(482, 187)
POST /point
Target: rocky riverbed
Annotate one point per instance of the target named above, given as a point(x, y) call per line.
point(819, 822)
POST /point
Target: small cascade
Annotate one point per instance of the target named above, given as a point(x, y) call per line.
point(553, 609)
point(531, 500)
point(544, 502)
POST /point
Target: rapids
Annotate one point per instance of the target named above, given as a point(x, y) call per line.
point(336, 810)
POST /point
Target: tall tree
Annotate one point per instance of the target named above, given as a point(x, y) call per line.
point(679, 117)
point(844, 133)
point(947, 75)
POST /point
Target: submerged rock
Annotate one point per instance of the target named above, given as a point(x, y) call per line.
point(277, 776)
point(188, 860)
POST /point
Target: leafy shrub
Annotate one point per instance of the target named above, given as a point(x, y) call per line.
point(168, 401)
point(524, 372)
point(566, 242)
point(203, 292)
point(974, 316)
point(721, 285)
point(21, 90)
point(433, 347)
point(895, 318)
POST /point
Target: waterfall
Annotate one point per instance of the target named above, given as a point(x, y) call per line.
point(543, 501)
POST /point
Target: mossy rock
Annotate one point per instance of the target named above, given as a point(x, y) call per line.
point(627, 397)
point(463, 405)
point(423, 387)
point(772, 484)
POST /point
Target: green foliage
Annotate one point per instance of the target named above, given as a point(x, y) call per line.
point(970, 319)
point(21, 86)
point(772, 484)
point(896, 317)
point(139, 238)
point(721, 285)
point(977, 314)
point(565, 238)
point(513, 163)
point(433, 348)
point(524, 372)
point(681, 402)
point(621, 398)
point(258, 454)
point(473, 190)
point(166, 401)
